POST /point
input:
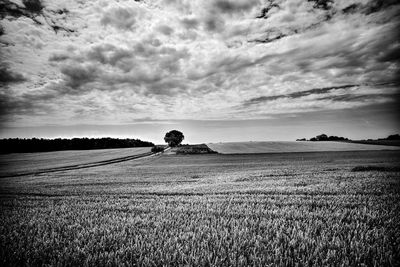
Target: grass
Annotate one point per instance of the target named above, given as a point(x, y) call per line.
point(265, 209)
point(279, 147)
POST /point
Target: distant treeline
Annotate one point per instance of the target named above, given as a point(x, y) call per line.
point(324, 137)
point(19, 145)
point(390, 137)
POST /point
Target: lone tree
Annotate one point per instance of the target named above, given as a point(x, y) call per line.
point(174, 138)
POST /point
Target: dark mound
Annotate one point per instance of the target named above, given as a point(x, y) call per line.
point(195, 149)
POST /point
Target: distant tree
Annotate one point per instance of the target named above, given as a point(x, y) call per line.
point(322, 137)
point(174, 138)
point(393, 137)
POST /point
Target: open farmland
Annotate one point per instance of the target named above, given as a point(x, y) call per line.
point(291, 146)
point(16, 163)
point(258, 209)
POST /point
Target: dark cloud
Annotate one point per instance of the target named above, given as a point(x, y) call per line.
point(78, 74)
point(190, 23)
point(30, 9)
point(108, 54)
point(148, 69)
point(9, 76)
point(271, 5)
point(168, 87)
point(23, 105)
point(214, 21)
point(376, 58)
point(34, 10)
point(272, 35)
point(390, 54)
point(34, 6)
point(229, 6)
point(201, 51)
point(360, 98)
point(290, 28)
point(370, 7)
point(214, 24)
point(59, 57)
point(164, 29)
point(120, 18)
point(315, 91)
point(14, 106)
point(329, 11)
point(322, 4)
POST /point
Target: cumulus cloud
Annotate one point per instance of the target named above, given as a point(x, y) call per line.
point(165, 29)
point(200, 59)
point(190, 23)
point(25, 105)
point(123, 18)
point(229, 6)
point(77, 75)
point(9, 76)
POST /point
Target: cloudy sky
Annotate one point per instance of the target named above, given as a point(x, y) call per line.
point(218, 70)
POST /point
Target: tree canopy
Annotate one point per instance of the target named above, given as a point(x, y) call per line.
point(174, 138)
point(18, 145)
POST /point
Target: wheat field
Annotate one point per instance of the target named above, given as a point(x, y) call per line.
point(289, 209)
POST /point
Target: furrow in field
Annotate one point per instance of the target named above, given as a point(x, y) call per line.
point(77, 166)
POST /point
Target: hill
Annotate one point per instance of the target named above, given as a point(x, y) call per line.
point(12, 164)
point(291, 146)
point(391, 140)
point(190, 149)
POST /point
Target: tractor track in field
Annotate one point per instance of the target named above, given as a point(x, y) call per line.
point(81, 166)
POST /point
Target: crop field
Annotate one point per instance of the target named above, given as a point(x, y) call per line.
point(291, 146)
point(287, 209)
point(32, 162)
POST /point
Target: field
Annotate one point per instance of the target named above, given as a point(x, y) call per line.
point(16, 163)
point(290, 146)
point(287, 209)
point(378, 142)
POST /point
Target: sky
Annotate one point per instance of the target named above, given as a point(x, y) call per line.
point(217, 70)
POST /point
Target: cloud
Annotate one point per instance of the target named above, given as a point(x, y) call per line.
point(362, 97)
point(8, 76)
point(77, 75)
point(369, 7)
point(12, 106)
point(300, 94)
point(123, 18)
point(164, 29)
point(108, 54)
point(200, 59)
point(59, 57)
point(327, 98)
point(229, 6)
point(190, 23)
